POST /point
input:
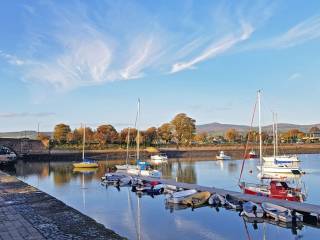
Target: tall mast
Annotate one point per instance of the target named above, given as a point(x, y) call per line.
point(274, 135)
point(138, 132)
point(83, 141)
point(128, 142)
point(260, 131)
point(276, 120)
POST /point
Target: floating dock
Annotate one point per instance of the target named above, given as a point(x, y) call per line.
point(306, 209)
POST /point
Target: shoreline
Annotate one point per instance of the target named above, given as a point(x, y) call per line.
point(28, 213)
point(235, 151)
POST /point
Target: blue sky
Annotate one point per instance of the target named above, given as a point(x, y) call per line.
point(89, 61)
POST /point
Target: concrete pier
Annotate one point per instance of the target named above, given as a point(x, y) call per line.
point(28, 213)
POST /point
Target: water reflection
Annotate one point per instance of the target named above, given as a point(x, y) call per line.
point(149, 218)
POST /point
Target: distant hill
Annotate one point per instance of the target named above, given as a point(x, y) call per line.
point(219, 128)
point(23, 134)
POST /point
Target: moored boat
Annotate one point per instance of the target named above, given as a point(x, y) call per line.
point(196, 199)
point(252, 210)
point(159, 158)
point(275, 189)
point(178, 197)
point(217, 200)
point(222, 156)
point(86, 163)
point(232, 202)
point(279, 213)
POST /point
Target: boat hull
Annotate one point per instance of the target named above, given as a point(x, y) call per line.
point(85, 165)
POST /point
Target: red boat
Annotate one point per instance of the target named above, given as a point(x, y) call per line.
point(276, 189)
point(252, 154)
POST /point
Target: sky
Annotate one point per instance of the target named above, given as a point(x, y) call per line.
point(89, 61)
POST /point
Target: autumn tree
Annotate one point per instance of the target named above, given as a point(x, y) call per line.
point(231, 135)
point(184, 128)
point(123, 136)
point(165, 132)
point(60, 132)
point(201, 137)
point(106, 134)
point(150, 135)
point(44, 139)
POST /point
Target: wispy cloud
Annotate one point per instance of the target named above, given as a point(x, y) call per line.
point(302, 32)
point(14, 60)
point(295, 76)
point(26, 114)
point(215, 49)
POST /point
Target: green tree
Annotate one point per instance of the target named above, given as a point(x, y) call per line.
point(184, 129)
point(165, 132)
point(60, 132)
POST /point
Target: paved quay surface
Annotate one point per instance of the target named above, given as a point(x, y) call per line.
point(28, 213)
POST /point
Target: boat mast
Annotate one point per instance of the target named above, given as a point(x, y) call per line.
point(83, 141)
point(138, 133)
point(276, 120)
point(128, 141)
point(260, 131)
point(274, 136)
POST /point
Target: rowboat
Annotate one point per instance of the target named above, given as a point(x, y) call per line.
point(217, 200)
point(178, 197)
point(252, 210)
point(279, 213)
point(196, 199)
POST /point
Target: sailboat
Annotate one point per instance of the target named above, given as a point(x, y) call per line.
point(127, 165)
point(86, 162)
point(142, 168)
point(279, 163)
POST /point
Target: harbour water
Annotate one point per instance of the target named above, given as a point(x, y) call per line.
point(148, 218)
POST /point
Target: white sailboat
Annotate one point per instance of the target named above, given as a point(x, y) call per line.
point(142, 168)
point(275, 164)
point(127, 165)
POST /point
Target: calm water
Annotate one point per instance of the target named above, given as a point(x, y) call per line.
point(147, 217)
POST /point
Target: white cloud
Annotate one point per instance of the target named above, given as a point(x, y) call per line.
point(11, 59)
point(215, 49)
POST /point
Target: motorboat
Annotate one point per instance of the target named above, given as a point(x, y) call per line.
point(233, 203)
point(217, 200)
point(196, 199)
point(144, 169)
point(125, 167)
point(282, 159)
point(279, 213)
point(116, 179)
point(178, 197)
point(222, 156)
point(252, 210)
point(275, 189)
point(7, 156)
point(159, 158)
point(252, 155)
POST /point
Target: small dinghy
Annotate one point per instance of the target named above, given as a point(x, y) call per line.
point(279, 213)
point(116, 179)
point(178, 197)
point(217, 200)
point(233, 203)
point(197, 199)
point(252, 210)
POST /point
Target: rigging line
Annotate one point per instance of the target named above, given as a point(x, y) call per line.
point(246, 148)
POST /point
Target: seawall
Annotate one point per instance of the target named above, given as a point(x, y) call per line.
point(28, 213)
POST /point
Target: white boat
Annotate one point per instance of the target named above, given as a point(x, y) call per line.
point(252, 210)
point(222, 156)
point(275, 163)
point(279, 213)
point(159, 158)
point(142, 168)
point(126, 166)
point(178, 197)
point(217, 200)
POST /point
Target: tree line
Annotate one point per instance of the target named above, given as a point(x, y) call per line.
point(181, 131)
